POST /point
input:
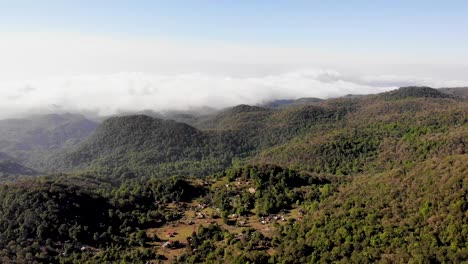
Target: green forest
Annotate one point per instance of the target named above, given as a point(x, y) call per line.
point(367, 179)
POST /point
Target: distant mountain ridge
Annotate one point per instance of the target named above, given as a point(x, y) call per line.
point(292, 102)
point(139, 141)
point(28, 140)
point(196, 142)
point(461, 92)
point(152, 143)
point(415, 92)
point(11, 169)
point(212, 143)
point(358, 179)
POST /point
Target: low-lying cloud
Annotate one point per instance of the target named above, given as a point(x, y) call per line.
point(123, 92)
point(110, 74)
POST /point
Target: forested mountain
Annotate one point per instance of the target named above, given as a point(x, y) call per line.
point(413, 214)
point(415, 92)
point(344, 136)
point(291, 103)
point(457, 92)
point(361, 179)
point(28, 140)
point(380, 133)
point(10, 169)
point(142, 143)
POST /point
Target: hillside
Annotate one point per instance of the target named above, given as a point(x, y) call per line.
point(51, 219)
point(339, 136)
point(461, 92)
point(415, 92)
point(10, 169)
point(261, 214)
point(142, 144)
point(416, 214)
point(369, 179)
point(379, 135)
point(291, 103)
point(30, 139)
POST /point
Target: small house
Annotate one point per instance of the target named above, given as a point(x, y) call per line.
point(170, 233)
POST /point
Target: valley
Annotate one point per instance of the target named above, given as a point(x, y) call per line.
point(358, 179)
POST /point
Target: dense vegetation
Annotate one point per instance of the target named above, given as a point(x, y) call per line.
point(29, 140)
point(52, 219)
point(416, 214)
point(11, 169)
point(360, 179)
point(146, 145)
point(275, 189)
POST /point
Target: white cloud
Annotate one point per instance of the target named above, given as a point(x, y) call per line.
point(114, 93)
point(109, 74)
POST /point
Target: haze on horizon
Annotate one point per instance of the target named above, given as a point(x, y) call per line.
point(109, 57)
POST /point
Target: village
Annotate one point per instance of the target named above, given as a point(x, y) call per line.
point(172, 237)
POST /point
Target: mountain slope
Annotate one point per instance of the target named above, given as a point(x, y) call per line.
point(416, 214)
point(368, 179)
point(166, 147)
point(10, 169)
point(461, 92)
point(291, 103)
point(337, 136)
point(415, 92)
point(379, 134)
point(30, 139)
point(45, 219)
point(146, 144)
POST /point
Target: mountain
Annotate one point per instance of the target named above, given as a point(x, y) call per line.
point(343, 135)
point(191, 116)
point(45, 131)
point(411, 214)
point(379, 134)
point(148, 145)
point(10, 169)
point(461, 92)
point(30, 139)
point(289, 103)
point(156, 146)
point(415, 92)
point(362, 179)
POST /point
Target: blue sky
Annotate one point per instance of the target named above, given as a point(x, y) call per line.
point(436, 27)
point(176, 54)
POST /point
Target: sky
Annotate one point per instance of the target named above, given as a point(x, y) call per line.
point(111, 56)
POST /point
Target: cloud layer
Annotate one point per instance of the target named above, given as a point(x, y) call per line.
point(114, 93)
point(106, 75)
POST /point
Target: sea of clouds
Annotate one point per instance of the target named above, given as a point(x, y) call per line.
point(47, 72)
point(110, 94)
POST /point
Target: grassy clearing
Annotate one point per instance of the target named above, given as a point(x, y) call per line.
point(182, 229)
